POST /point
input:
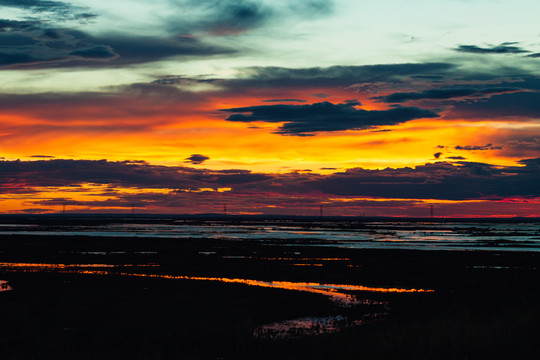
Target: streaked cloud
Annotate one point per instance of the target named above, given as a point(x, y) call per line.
point(504, 48)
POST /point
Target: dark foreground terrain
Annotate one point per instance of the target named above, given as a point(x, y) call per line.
point(79, 298)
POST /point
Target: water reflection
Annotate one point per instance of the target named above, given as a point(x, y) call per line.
point(338, 293)
point(369, 234)
point(312, 326)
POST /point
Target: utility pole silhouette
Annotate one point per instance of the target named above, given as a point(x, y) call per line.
point(321, 211)
point(64, 208)
point(431, 210)
point(224, 209)
point(132, 209)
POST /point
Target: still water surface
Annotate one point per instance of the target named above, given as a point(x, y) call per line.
point(378, 235)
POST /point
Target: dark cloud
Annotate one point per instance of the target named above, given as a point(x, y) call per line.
point(43, 156)
point(535, 55)
point(437, 155)
point(196, 159)
point(520, 104)
point(45, 48)
point(133, 50)
point(7, 26)
point(17, 58)
point(44, 41)
point(232, 17)
point(96, 52)
point(325, 116)
point(58, 172)
point(283, 100)
point(523, 144)
point(445, 94)
point(171, 80)
point(37, 5)
point(441, 180)
point(504, 48)
point(333, 76)
point(456, 158)
point(57, 10)
point(40, 43)
point(478, 147)
point(228, 17)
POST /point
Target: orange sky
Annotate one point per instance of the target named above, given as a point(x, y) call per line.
point(284, 106)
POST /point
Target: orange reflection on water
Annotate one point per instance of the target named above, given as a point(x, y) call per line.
point(333, 291)
point(336, 292)
point(52, 266)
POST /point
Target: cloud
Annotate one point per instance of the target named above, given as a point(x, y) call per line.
point(234, 17)
point(445, 94)
point(134, 110)
point(96, 52)
point(456, 158)
point(42, 156)
point(518, 104)
point(284, 100)
point(477, 147)
point(504, 48)
point(52, 40)
point(143, 49)
point(35, 45)
point(441, 180)
point(50, 36)
point(333, 76)
point(437, 155)
point(57, 10)
point(196, 159)
point(73, 173)
point(325, 116)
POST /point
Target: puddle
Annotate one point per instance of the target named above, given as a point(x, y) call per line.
point(311, 326)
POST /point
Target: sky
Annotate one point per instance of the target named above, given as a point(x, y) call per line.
point(375, 108)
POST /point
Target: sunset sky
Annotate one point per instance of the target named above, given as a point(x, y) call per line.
point(381, 108)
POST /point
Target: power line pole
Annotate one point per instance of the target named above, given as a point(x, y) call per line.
point(431, 210)
point(224, 209)
point(321, 211)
